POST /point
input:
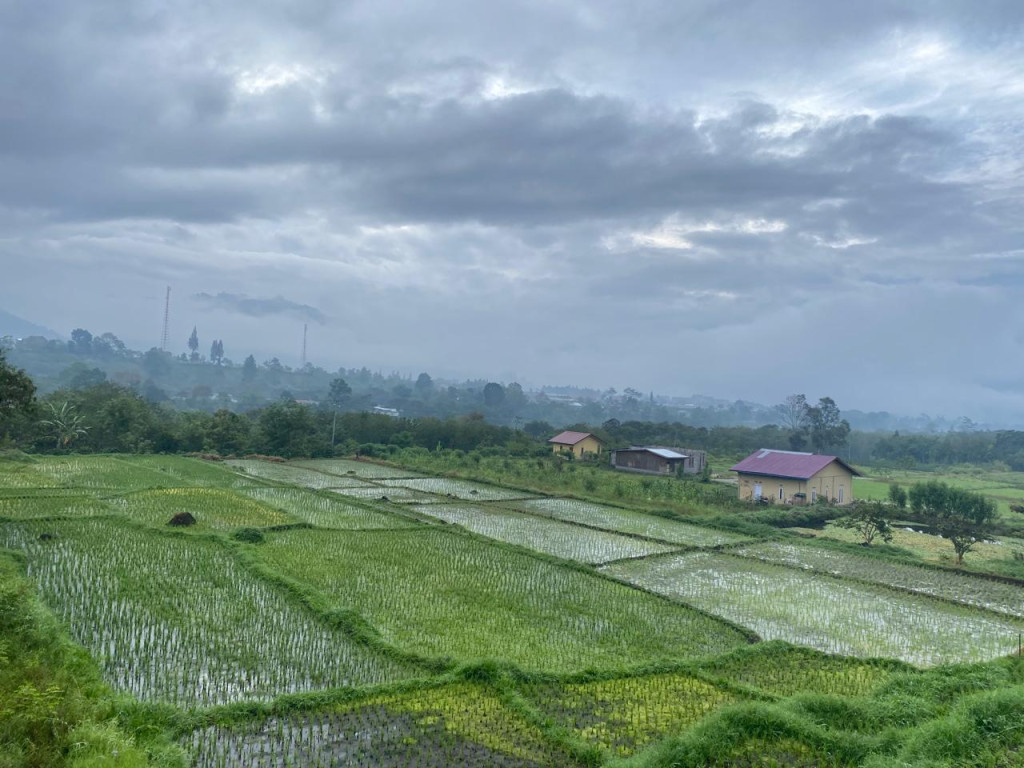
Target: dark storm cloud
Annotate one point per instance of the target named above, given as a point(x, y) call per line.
point(256, 307)
point(440, 177)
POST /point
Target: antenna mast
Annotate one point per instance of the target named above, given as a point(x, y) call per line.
point(167, 317)
point(305, 330)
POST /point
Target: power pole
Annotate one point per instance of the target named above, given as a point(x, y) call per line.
point(305, 330)
point(167, 318)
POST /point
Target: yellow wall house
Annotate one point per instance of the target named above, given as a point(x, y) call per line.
point(788, 477)
point(576, 443)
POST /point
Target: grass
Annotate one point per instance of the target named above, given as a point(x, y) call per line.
point(826, 613)
point(987, 556)
point(442, 594)
point(175, 619)
point(550, 536)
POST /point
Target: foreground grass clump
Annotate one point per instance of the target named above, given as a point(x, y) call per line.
point(963, 716)
point(543, 535)
point(174, 618)
point(459, 724)
point(443, 594)
point(826, 613)
point(54, 710)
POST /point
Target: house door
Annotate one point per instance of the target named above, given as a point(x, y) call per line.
point(840, 494)
point(758, 490)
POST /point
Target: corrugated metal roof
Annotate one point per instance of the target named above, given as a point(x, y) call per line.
point(800, 466)
point(570, 438)
point(666, 453)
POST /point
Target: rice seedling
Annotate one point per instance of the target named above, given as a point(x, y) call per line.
point(293, 474)
point(395, 494)
point(51, 506)
point(363, 469)
point(176, 619)
point(461, 489)
point(325, 511)
point(785, 670)
point(24, 474)
point(213, 508)
point(189, 471)
point(626, 521)
point(948, 585)
point(625, 714)
point(571, 542)
point(460, 724)
point(823, 612)
point(442, 594)
point(107, 472)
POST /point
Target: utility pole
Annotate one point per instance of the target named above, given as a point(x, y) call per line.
point(167, 318)
point(305, 331)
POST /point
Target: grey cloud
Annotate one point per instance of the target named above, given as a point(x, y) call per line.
point(256, 307)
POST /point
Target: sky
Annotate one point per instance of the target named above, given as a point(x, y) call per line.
point(742, 199)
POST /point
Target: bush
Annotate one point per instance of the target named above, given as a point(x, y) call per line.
point(249, 535)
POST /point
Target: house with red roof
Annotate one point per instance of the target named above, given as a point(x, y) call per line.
point(792, 477)
point(576, 443)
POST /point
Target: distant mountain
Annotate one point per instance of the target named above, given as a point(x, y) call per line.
point(19, 327)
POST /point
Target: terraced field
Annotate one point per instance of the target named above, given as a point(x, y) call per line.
point(550, 536)
point(459, 623)
point(832, 615)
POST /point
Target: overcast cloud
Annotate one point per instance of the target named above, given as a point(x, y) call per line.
point(745, 199)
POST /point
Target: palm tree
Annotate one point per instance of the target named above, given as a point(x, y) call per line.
point(64, 424)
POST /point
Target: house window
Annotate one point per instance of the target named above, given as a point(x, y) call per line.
point(814, 495)
point(840, 494)
point(780, 493)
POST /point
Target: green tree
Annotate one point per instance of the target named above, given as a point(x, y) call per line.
point(193, 345)
point(288, 429)
point(156, 363)
point(17, 393)
point(962, 517)
point(81, 342)
point(494, 394)
point(424, 385)
point(898, 495)
point(227, 432)
point(870, 519)
point(64, 424)
point(829, 431)
point(339, 393)
point(249, 369)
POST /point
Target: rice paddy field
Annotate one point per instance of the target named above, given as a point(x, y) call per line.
point(300, 620)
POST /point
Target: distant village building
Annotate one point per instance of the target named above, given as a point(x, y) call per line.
point(657, 460)
point(576, 443)
point(386, 411)
point(789, 477)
